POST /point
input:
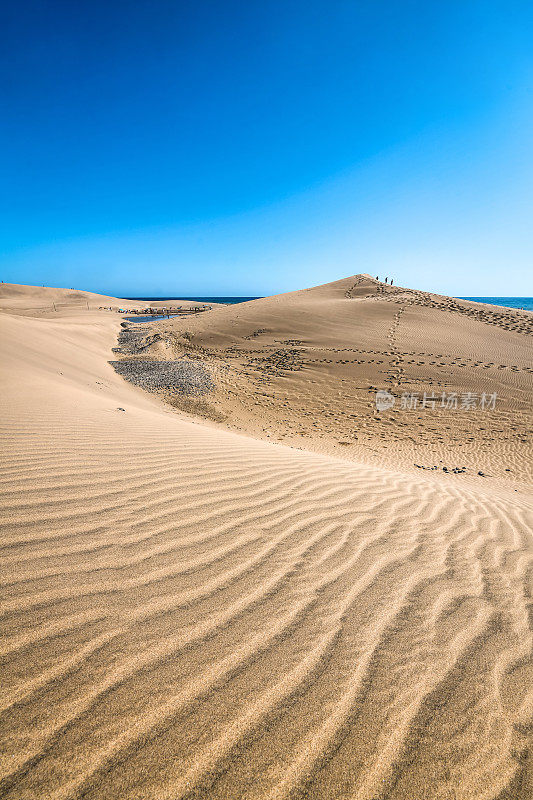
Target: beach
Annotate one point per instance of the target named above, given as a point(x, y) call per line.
point(234, 576)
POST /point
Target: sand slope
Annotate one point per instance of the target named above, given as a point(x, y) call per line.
point(46, 301)
point(191, 613)
point(303, 368)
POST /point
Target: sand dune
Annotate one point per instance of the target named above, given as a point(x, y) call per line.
point(189, 612)
point(46, 301)
point(304, 368)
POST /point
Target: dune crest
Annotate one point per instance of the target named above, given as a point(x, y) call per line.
point(304, 368)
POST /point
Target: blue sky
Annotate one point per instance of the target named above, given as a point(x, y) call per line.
point(259, 147)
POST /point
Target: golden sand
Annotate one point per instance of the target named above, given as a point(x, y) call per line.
point(192, 611)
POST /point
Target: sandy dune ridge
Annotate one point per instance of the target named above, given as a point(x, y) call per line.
point(188, 612)
point(304, 368)
point(48, 301)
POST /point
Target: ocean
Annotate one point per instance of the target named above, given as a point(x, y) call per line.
point(229, 300)
point(525, 303)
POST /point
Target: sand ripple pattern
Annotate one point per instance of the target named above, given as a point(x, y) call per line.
point(190, 614)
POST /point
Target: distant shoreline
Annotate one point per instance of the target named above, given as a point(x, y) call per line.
point(226, 300)
point(520, 303)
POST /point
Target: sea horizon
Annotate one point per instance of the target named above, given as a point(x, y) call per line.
point(523, 303)
point(229, 300)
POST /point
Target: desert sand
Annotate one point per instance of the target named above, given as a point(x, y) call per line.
point(267, 591)
point(49, 302)
point(303, 368)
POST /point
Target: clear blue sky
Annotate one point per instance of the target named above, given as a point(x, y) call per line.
point(257, 147)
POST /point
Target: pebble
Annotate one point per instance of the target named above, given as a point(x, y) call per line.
point(180, 376)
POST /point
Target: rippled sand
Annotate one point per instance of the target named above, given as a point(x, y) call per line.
point(192, 613)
